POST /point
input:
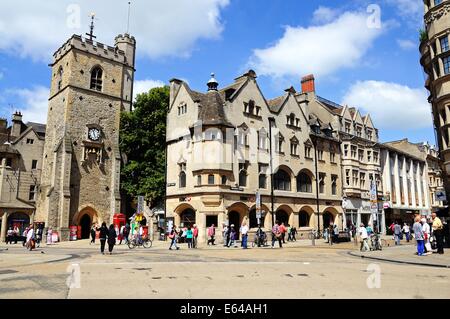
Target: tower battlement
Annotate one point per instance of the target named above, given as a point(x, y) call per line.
point(96, 48)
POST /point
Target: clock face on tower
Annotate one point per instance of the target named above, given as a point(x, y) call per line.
point(94, 134)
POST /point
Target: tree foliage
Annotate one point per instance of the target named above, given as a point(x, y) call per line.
point(142, 142)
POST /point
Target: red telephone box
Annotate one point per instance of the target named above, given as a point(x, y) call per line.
point(119, 220)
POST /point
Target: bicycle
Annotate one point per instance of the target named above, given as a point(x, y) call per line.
point(144, 242)
point(314, 234)
point(263, 241)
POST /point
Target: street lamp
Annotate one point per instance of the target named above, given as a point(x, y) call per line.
point(316, 130)
point(271, 123)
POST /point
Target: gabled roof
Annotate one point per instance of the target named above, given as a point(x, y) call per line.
point(276, 103)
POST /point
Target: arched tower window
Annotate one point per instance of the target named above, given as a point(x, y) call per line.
point(97, 78)
point(60, 76)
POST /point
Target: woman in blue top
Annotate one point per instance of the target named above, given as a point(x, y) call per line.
point(189, 236)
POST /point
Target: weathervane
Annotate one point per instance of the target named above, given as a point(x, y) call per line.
point(91, 33)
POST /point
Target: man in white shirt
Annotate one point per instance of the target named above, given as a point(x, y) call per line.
point(244, 232)
point(362, 231)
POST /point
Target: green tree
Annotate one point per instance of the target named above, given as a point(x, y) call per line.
point(142, 143)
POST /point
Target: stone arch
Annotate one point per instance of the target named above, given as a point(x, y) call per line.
point(284, 214)
point(85, 218)
point(237, 213)
point(305, 217)
point(329, 215)
point(252, 216)
point(180, 210)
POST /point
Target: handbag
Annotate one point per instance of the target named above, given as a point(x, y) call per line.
point(278, 235)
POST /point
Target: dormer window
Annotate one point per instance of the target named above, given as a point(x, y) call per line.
point(358, 131)
point(251, 109)
point(369, 134)
point(347, 127)
point(97, 79)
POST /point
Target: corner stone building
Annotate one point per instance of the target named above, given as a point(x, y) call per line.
point(91, 84)
point(219, 147)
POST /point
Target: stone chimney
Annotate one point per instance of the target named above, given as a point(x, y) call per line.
point(16, 128)
point(308, 84)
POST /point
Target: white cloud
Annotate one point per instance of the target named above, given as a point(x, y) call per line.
point(36, 28)
point(324, 15)
point(143, 86)
point(321, 50)
point(407, 44)
point(33, 103)
point(391, 105)
point(411, 11)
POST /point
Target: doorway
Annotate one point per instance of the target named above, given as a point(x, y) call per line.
point(85, 223)
point(234, 218)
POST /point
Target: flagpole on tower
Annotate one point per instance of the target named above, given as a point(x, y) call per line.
point(128, 22)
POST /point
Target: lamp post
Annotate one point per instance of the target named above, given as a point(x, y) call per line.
point(316, 130)
point(271, 122)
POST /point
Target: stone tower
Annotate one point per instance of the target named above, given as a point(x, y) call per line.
point(91, 84)
point(435, 59)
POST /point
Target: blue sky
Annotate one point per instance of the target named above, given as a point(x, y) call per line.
point(358, 59)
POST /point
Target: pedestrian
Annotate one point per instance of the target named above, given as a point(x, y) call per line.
point(260, 236)
point(407, 231)
point(112, 235)
point(426, 236)
point(293, 233)
point(211, 234)
point(336, 233)
point(121, 234)
point(195, 236)
point(289, 232)
point(30, 241)
point(9, 236)
point(438, 233)
point(244, 233)
point(419, 236)
point(173, 235)
point(231, 236)
point(189, 237)
point(397, 233)
point(276, 234)
point(362, 231)
point(126, 233)
point(331, 233)
point(49, 236)
point(283, 232)
point(93, 233)
point(103, 236)
point(225, 234)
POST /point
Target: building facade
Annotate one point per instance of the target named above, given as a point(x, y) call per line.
point(359, 148)
point(435, 180)
point(224, 145)
point(21, 150)
point(405, 181)
point(91, 85)
point(435, 59)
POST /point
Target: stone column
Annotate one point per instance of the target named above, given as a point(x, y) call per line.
point(413, 186)
point(4, 226)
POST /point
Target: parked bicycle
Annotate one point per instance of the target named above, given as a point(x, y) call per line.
point(144, 242)
point(315, 234)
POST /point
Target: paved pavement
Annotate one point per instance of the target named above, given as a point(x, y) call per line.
point(406, 254)
point(78, 270)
